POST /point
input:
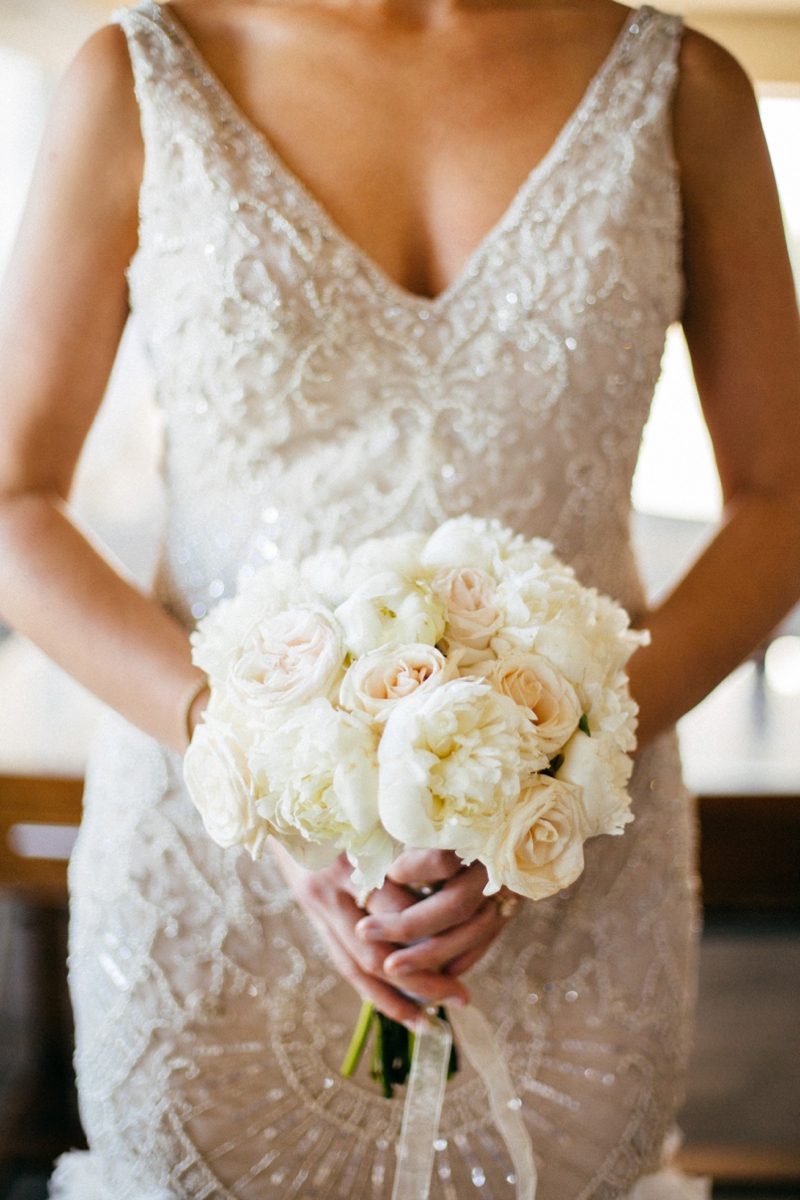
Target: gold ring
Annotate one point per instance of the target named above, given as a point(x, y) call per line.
point(362, 897)
point(507, 905)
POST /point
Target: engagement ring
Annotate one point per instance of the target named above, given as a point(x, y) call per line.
point(507, 906)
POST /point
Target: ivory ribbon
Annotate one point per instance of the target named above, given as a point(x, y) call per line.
point(422, 1110)
point(425, 1098)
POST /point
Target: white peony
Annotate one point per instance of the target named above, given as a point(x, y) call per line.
point(378, 681)
point(539, 848)
point(466, 542)
point(288, 658)
point(316, 776)
point(221, 787)
point(335, 574)
point(469, 596)
point(520, 556)
point(451, 761)
point(596, 766)
point(390, 608)
point(532, 682)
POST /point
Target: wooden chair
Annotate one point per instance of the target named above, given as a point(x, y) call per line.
point(27, 804)
point(39, 1118)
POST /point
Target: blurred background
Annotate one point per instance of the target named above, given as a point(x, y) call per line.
point(741, 746)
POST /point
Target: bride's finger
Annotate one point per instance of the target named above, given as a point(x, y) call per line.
point(434, 953)
point(424, 866)
point(386, 998)
point(463, 963)
point(391, 898)
point(370, 957)
point(452, 905)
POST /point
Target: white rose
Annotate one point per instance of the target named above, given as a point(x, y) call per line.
point(377, 681)
point(390, 608)
point(286, 659)
point(473, 615)
point(221, 787)
point(534, 683)
point(316, 777)
point(601, 771)
point(539, 848)
point(451, 761)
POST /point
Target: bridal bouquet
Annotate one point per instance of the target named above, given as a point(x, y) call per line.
point(458, 691)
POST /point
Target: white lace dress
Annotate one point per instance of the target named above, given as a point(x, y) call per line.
point(311, 401)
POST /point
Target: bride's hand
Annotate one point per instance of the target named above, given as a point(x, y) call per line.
point(448, 931)
point(328, 899)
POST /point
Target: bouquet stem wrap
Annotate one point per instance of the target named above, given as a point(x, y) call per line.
point(425, 1098)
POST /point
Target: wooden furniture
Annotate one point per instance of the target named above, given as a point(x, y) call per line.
point(41, 801)
point(39, 1118)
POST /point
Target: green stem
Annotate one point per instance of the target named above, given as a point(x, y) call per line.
point(358, 1041)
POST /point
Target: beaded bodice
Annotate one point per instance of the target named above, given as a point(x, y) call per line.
point(311, 401)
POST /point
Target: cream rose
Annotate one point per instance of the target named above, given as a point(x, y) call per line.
point(535, 684)
point(286, 660)
point(221, 787)
point(390, 608)
point(539, 848)
point(316, 776)
point(451, 761)
point(378, 681)
point(469, 596)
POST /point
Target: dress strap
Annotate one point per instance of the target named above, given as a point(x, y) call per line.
point(638, 90)
point(170, 90)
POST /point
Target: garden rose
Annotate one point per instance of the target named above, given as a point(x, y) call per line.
point(287, 659)
point(376, 682)
point(539, 848)
point(217, 641)
point(534, 683)
point(469, 596)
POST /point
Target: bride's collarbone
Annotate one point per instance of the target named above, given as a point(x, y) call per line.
point(435, 129)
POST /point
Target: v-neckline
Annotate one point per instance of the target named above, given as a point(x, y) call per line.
point(381, 280)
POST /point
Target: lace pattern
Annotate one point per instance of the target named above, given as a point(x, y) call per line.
point(309, 400)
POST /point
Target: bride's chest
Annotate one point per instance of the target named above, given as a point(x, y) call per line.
point(414, 141)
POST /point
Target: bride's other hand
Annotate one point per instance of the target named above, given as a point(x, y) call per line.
point(448, 931)
point(328, 898)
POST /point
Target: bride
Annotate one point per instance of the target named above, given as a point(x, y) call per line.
point(393, 260)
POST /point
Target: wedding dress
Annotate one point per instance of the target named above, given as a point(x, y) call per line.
point(309, 401)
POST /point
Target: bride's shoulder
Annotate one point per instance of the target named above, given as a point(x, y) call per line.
point(95, 101)
point(713, 88)
point(716, 123)
point(91, 158)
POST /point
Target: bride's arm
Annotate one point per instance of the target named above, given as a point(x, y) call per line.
point(743, 331)
point(62, 313)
